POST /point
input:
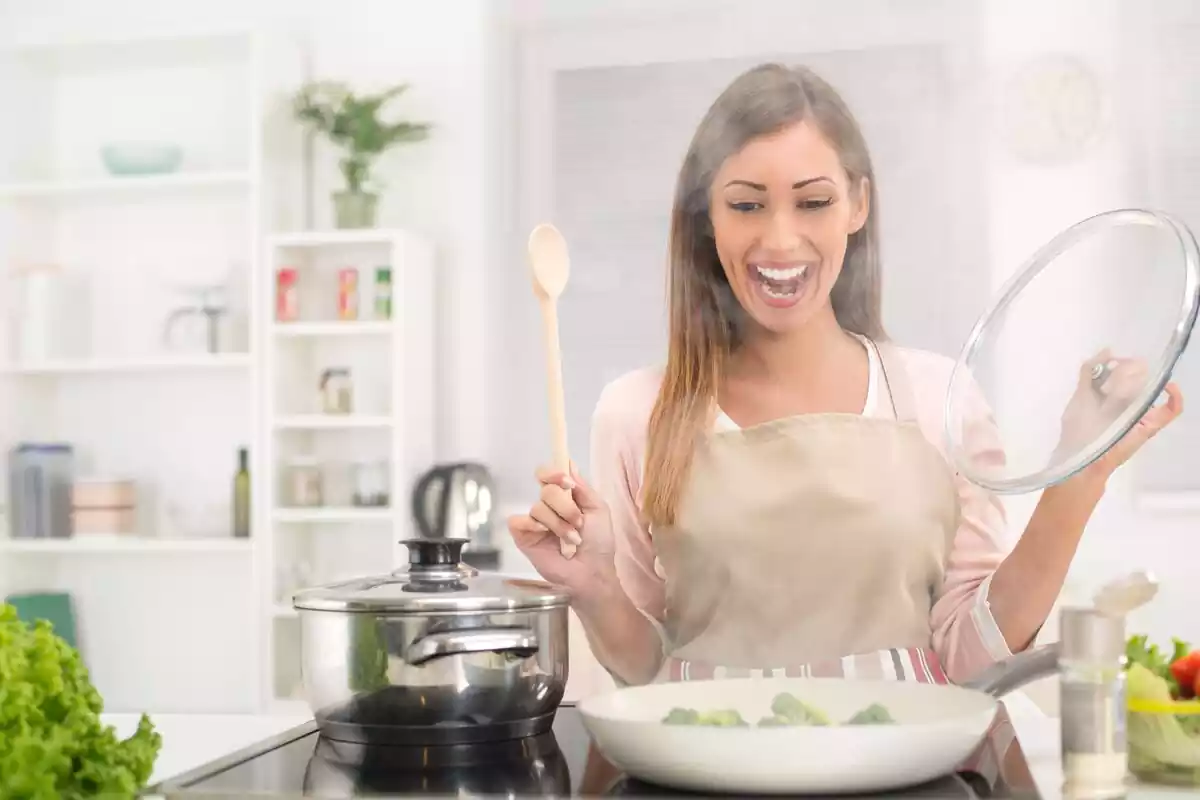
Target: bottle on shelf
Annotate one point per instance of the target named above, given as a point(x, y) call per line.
point(287, 301)
point(383, 293)
point(241, 496)
point(348, 294)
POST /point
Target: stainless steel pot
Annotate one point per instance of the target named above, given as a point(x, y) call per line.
point(435, 653)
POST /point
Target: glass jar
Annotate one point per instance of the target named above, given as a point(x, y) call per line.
point(307, 488)
point(370, 484)
point(337, 391)
point(1092, 698)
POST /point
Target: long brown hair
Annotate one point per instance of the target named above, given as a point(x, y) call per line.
point(704, 316)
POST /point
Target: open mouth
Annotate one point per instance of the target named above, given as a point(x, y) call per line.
point(780, 284)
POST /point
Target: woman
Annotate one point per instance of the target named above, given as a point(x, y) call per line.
point(776, 498)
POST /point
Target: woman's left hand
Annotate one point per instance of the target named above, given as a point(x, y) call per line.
point(1096, 405)
point(1153, 421)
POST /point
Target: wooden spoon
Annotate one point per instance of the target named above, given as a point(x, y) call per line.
point(551, 267)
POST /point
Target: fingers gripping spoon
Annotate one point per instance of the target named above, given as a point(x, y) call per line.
point(550, 267)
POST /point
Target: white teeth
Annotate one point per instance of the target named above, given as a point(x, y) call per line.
point(779, 295)
point(791, 273)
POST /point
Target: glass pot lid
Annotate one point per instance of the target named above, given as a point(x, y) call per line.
point(1077, 346)
point(434, 581)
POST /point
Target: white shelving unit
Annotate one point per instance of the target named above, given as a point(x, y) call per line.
point(149, 365)
point(97, 544)
point(165, 611)
point(100, 187)
point(391, 363)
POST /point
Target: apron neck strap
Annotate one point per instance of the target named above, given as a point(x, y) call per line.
point(895, 377)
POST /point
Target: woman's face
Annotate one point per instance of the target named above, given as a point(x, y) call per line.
point(782, 209)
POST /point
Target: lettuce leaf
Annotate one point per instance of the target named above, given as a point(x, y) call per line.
point(52, 743)
point(1160, 739)
point(1138, 650)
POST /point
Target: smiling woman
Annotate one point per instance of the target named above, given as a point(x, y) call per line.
point(766, 256)
point(777, 499)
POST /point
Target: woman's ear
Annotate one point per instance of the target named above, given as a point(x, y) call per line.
point(861, 203)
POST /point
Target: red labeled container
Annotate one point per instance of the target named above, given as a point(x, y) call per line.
point(287, 302)
point(348, 293)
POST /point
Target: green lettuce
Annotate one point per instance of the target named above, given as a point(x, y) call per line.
point(52, 742)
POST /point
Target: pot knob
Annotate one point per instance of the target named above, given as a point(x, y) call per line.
point(433, 554)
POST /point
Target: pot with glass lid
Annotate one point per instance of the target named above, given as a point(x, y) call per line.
point(433, 653)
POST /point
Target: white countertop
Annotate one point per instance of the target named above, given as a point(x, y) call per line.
point(190, 741)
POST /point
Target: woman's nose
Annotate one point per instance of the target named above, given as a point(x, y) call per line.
point(782, 232)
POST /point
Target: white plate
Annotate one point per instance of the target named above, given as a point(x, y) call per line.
point(936, 729)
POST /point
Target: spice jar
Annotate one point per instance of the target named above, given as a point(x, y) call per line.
point(348, 293)
point(307, 485)
point(287, 304)
point(370, 484)
point(383, 293)
point(337, 391)
point(1095, 758)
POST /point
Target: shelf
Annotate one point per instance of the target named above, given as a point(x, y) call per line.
point(345, 514)
point(334, 238)
point(103, 543)
point(89, 55)
point(168, 363)
point(123, 184)
point(332, 329)
point(333, 422)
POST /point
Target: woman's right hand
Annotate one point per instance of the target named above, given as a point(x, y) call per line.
point(569, 511)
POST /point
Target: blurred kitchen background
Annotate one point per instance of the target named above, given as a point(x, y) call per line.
point(225, 392)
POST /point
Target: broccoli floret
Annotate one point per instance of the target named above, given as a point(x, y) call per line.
point(724, 718)
point(772, 722)
point(795, 712)
point(873, 714)
point(682, 716)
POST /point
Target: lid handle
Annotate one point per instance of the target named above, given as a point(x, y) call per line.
point(427, 553)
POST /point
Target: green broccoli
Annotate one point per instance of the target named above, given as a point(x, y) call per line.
point(725, 718)
point(794, 711)
point(873, 714)
point(772, 721)
point(682, 716)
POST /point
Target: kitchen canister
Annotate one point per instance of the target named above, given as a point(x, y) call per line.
point(40, 292)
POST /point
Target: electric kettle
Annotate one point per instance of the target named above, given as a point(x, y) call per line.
point(457, 501)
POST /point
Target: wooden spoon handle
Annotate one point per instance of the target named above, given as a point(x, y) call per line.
point(554, 385)
point(558, 406)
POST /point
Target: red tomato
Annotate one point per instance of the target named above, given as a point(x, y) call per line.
point(1187, 673)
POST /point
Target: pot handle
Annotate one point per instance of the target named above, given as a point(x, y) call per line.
point(1017, 671)
point(518, 641)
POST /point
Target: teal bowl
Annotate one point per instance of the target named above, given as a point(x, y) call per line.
point(141, 158)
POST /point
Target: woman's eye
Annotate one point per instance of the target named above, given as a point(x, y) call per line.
point(816, 203)
point(746, 206)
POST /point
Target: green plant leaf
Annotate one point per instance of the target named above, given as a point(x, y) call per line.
point(352, 123)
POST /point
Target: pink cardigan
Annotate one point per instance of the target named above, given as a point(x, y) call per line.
point(965, 635)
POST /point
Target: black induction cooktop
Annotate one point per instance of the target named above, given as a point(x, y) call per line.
point(562, 763)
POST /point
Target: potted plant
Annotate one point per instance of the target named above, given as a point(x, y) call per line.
point(353, 123)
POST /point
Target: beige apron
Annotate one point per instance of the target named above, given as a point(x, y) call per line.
point(810, 546)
